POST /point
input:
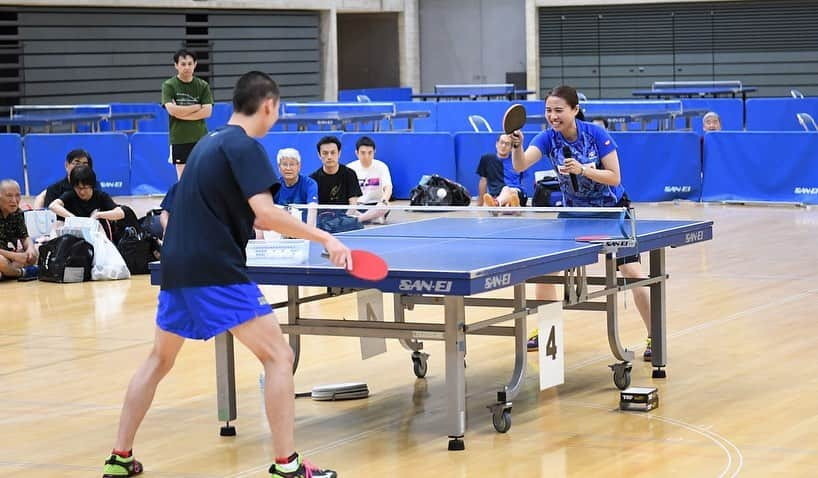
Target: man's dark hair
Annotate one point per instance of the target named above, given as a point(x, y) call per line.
point(364, 141)
point(79, 153)
point(252, 89)
point(183, 53)
point(83, 176)
point(328, 140)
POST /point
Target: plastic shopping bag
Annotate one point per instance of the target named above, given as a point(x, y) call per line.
point(108, 262)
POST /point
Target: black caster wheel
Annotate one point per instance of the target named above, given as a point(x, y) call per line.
point(659, 373)
point(227, 431)
point(622, 378)
point(501, 421)
point(420, 367)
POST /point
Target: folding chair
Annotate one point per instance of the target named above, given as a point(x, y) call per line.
point(476, 120)
point(806, 121)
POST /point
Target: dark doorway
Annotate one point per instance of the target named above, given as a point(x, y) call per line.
point(368, 50)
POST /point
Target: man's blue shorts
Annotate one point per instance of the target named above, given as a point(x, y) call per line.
point(204, 312)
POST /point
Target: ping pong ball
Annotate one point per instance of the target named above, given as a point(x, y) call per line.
point(441, 193)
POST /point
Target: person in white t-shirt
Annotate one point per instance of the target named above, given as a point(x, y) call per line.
point(374, 179)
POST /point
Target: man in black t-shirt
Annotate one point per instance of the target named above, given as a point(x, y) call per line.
point(227, 189)
point(74, 158)
point(337, 184)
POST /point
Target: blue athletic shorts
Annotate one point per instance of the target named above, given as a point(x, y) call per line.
point(204, 312)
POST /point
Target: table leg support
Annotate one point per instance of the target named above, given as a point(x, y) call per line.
point(455, 338)
point(611, 302)
point(292, 319)
point(226, 382)
point(658, 307)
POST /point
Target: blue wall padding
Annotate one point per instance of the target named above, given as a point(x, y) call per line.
point(11, 166)
point(660, 165)
point(778, 114)
point(761, 166)
point(45, 157)
point(150, 171)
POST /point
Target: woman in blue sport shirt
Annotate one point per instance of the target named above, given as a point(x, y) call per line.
point(594, 164)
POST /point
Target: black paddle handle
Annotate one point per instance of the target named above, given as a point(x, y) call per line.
point(566, 153)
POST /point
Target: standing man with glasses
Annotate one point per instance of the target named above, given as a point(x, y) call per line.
point(74, 158)
point(188, 101)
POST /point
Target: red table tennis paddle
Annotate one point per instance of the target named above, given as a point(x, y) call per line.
point(592, 238)
point(366, 265)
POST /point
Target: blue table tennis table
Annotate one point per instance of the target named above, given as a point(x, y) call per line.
point(348, 120)
point(474, 96)
point(665, 120)
point(445, 261)
point(48, 121)
point(694, 90)
point(502, 91)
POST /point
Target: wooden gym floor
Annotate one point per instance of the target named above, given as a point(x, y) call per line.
point(739, 400)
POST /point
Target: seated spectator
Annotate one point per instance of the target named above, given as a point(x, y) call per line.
point(295, 187)
point(85, 200)
point(374, 180)
point(167, 206)
point(18, 256)
point(337, 184)
point(74, 158)
point(711, 121)
point(500, 184)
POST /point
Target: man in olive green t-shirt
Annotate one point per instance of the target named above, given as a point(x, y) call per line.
point(188, 101)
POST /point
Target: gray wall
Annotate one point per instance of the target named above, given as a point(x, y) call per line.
point(98, 55)
point(470, 41)
point(607, 51)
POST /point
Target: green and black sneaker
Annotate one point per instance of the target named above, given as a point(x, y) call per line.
point(116, 467)
point(304, 470)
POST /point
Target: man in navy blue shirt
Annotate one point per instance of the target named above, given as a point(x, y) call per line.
point(500, 184)
point(295, 187)
point(226, 189)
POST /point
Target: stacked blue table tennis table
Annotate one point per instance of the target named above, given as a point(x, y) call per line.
point(698, 89)
point(503, 91)
point(345, 116)
point(445, 261)
point(48, 121)
point(624, 112)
